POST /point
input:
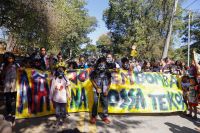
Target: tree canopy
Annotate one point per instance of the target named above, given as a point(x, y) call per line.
point(49, 23)
point(142, 23)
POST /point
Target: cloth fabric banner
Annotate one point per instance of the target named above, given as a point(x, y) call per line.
point(129, 93)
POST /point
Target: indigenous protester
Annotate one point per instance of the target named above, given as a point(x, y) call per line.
point(37, 64)
point(44, 59)
point(165, 65)
point(59, 93)
point(177, 68)
point(192, 71)
point(52, 62)
point(193, 97)
point(91, 62)
point(9, 75)
point(136, 67)
point(60, 60)
point(72, 65)
point(185, 84)
point(146, 67)
point(155, 66)
point(111, 62)
point(82, 63)
point(184, 68)
point(197, 65)
point(101, 80)
point(125, 63)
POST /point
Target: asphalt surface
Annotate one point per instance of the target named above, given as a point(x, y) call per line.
point(120, 123)
point(129, 123)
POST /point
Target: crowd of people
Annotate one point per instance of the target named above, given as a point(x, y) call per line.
point(100, 78)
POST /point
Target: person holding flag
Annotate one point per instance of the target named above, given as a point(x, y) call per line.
point(134, 52)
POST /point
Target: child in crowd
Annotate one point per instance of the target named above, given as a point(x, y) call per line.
point(9, 75)
point(193, 97)
point(60, 93)
point(185, 84)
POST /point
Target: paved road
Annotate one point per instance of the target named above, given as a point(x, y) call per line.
point(132, 123)
point(79, 122)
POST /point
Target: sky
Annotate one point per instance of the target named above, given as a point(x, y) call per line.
point(96, 8)
point(193, 4)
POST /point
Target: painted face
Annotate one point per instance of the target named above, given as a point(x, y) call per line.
point(102, 66)
point(126, 66)
point(60, 72)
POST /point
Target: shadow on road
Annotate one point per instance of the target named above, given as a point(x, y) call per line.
point(177, 129)
point(118, 124)
point(70, 131)
point(195, 122)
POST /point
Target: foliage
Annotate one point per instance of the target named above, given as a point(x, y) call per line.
point(104, 43)
point(50, 23)
point(142, 23)
point(194, 28)
point(90, 50)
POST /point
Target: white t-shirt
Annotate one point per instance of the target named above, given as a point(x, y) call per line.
point(59, 90)
point(137, 68)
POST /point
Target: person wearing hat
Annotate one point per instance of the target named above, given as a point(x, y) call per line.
point(59, 93)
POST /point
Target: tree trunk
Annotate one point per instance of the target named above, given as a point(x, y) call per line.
point(167, 41)
point(11, 43)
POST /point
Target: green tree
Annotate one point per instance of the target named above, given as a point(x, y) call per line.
point(90, 50)
point(194, 28)
point(142, 23)
point(49, 23)
point(25, 21)
point(104, 42)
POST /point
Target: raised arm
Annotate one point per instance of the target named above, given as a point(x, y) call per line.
point(196, 60)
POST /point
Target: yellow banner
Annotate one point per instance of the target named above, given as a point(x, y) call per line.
point(128, 93)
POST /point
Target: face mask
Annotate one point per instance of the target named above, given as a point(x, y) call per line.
point(102, 66)
point(126, 66)
point(109, 60)
point(59, 74)
point(81, 66)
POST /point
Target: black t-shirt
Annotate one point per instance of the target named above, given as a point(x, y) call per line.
point(156, 69)
point(95, 74)
point(111, 65)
